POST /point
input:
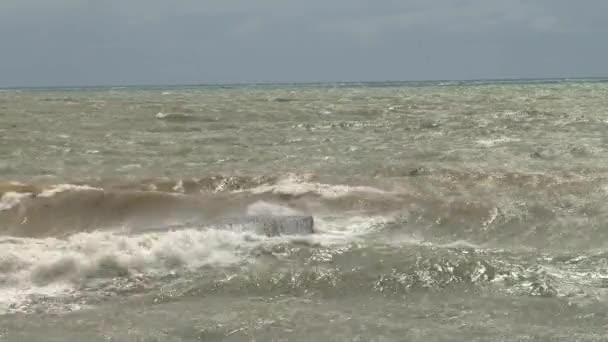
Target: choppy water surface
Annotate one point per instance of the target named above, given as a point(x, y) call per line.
point(443, 211)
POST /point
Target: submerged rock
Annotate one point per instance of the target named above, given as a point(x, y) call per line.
point(269, 225)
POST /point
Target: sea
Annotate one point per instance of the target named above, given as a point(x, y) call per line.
point(443, 211)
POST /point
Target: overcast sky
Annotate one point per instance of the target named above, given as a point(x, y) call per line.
point(117, 42)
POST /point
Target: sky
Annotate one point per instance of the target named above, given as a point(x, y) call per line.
point(139, 42)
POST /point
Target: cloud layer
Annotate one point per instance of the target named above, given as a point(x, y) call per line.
point(81, 42)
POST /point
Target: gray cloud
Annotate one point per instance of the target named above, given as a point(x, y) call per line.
point(65, 42)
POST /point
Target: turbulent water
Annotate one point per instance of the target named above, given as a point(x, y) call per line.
point(457, 211)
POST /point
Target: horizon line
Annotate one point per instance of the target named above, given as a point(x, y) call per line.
point(261, 83)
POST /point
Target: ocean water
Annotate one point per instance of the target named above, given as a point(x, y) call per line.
point(443, 211)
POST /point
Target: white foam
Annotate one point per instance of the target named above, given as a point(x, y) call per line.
point(161, 115)
point(56, 268)
point(15, 299)
point(53, 267)
point(52, 191)
point(10, 199)
point(266, 208)
point(297, 185)
point(493, 142)
point(355, 225)
point(179, 186)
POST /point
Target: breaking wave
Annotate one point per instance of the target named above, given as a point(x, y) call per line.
point(85, 267)
point(28, 210)
point(84, 240)
point(507, 209)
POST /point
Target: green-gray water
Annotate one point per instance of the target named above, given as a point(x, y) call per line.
point(443, 211)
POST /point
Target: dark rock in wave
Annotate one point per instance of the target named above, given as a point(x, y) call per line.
point(275, 225)
point(269, 225)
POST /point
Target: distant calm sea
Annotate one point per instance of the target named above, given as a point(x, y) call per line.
point(443, 211)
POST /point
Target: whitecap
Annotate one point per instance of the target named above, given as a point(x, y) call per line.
point(52, 191)
point(493, 142)
point(295, 185)
point(10, 199)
